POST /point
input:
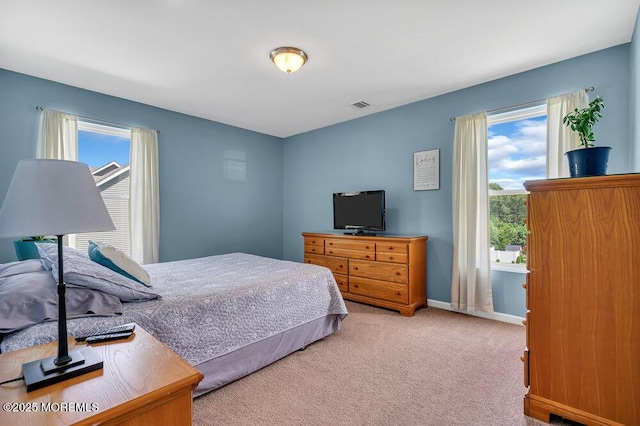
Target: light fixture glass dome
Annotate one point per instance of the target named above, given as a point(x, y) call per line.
point(288, 59)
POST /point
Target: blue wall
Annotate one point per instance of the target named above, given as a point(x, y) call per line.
point(635, 97)
point(205, 205)
point(376, 152)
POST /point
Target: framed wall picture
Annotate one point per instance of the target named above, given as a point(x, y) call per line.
point(426, 170)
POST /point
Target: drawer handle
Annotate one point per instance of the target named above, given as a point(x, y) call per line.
point(390, 257)
point(355, 285)
point(390, 248)
point(397, 273)
point(339, 266)
point(366, 247)
point(366, 257)
point(355, 268)
point(397, 293)
point(330, 244)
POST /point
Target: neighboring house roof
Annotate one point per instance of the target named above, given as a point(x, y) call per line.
point(108, 172)
point(102, 170)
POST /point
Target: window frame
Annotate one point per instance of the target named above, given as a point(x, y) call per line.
point(109, 130)
point(513, 114)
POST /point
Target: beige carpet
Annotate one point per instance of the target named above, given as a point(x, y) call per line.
point(436, 368)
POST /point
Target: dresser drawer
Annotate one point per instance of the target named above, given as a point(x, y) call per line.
point(338, 265)
point(392, 247)
point(313, 241)
point(343, 282)
point(337, 243)
point(351, 254)
point(310, 248)
point(385, 271)
point(391, 257)
point(315, 259)
point(378, 289)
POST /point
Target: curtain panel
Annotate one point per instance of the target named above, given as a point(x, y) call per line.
point(58, 136)
point(144, 209)
point(58, 140)
point(471, 277)
point(561, 138)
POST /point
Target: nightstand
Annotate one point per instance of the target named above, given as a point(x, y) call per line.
point(142, 383)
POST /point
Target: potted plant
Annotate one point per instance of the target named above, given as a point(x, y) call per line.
point(26, 247)
point(588, 160)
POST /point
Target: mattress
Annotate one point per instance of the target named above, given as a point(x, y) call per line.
point(227, 315)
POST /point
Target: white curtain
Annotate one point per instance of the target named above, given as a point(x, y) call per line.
point(58, 140)
point(58, 136)
point(471, 277)
point(144, 210)
point(561, 138)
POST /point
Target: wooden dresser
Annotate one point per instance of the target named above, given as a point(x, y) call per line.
point(582, 360)
point(385, 271)
point(142, 383)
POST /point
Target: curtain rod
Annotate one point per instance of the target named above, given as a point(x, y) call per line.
point(95, 120)
point(586, 89)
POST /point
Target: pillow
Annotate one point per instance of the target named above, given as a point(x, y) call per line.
point(80, 271)
point(32, 297)
point(20, 267)
point(117, 261)
point(49, 253)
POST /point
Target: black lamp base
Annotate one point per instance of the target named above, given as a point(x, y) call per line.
point(44, 372)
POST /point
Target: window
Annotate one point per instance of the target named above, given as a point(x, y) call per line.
point(106, 150)
point(517, 153)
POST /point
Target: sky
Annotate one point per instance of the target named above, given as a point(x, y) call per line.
point(96, 149)
point(517, 152)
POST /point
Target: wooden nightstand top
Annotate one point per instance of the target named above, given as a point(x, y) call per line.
point(142, 382)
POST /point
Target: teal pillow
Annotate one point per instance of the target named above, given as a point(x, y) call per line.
point(114, 259)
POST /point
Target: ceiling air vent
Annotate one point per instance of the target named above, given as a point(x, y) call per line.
point(360, 104)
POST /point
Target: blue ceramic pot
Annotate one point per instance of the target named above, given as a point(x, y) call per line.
point(588, 161)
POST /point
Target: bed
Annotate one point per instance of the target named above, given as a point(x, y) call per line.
point(227, 315)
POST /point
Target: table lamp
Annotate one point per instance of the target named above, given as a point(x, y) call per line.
point(55, 197)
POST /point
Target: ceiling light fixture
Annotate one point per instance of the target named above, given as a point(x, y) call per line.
point(288, 59)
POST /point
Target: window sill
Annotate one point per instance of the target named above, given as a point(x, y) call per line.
point(518, 268)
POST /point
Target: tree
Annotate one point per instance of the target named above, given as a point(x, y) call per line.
point(507, 214)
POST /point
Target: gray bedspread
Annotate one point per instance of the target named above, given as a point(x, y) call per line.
point(214, 305)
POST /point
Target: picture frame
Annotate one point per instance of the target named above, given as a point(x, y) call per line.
point(426, 170)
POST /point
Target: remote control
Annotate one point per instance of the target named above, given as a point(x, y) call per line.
point(107, 337)
point(117, 329)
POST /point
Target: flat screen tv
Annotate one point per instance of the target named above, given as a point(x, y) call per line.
point(362, 211)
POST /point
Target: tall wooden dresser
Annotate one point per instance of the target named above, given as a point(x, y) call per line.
point(386, 271)
point(582, 360)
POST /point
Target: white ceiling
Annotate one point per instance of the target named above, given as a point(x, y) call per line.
point(210, 59)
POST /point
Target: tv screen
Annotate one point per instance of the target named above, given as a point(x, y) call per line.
point(362, 210)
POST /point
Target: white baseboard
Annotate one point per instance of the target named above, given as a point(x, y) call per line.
point(498, 316)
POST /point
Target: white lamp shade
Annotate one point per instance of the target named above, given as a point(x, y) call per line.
point(52, 197)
